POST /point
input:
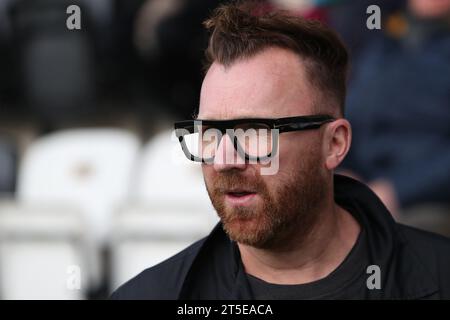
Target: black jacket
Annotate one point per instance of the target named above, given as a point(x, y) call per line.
point(414, 264)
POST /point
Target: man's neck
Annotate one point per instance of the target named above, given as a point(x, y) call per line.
point(315, 257)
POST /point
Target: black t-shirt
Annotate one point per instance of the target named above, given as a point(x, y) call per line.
point(347, 281)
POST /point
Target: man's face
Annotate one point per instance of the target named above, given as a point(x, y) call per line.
point(264, 210)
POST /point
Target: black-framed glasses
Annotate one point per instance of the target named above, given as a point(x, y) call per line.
point(255, 139)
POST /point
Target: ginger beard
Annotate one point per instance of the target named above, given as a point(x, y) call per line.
point(283, 212)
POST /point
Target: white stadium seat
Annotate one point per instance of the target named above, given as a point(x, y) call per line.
point(170, 209)
point(87, 169)
point(43, 254)
point(144, 237)
point(165, 176)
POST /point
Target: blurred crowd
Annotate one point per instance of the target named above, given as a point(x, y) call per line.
point(136, 65)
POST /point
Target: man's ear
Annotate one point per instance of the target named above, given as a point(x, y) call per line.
point(337, 139)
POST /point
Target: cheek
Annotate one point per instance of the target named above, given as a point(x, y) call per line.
point(290, 152)
point(297, 154)
point(208, 172)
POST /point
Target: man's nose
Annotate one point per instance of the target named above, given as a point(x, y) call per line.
point(226, 156)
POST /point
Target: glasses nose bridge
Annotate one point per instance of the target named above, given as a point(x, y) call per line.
point(226, 152)
point(236, 148)
point(223, 150)
point(224, 131)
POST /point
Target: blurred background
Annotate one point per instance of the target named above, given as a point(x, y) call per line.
point(93, 186)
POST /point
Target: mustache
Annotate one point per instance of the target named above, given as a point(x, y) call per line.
point(225, 182)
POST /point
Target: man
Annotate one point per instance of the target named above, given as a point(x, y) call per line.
point(300, 232)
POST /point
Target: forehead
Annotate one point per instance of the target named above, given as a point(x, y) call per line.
point(271, 84)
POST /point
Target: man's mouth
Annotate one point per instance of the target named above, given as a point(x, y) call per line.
point(239, 193)
point(240, 196)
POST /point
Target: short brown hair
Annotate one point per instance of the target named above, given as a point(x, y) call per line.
point(241, 29)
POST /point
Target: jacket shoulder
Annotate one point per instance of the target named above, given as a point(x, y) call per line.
point(162, 281)
point(433, 252)
point(424, 242)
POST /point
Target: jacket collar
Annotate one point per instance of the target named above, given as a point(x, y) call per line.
point(403, 274)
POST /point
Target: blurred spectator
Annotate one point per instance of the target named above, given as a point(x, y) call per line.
point(348, 18)
point(399, 106)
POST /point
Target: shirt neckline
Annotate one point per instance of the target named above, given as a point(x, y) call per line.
point(348, 271)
